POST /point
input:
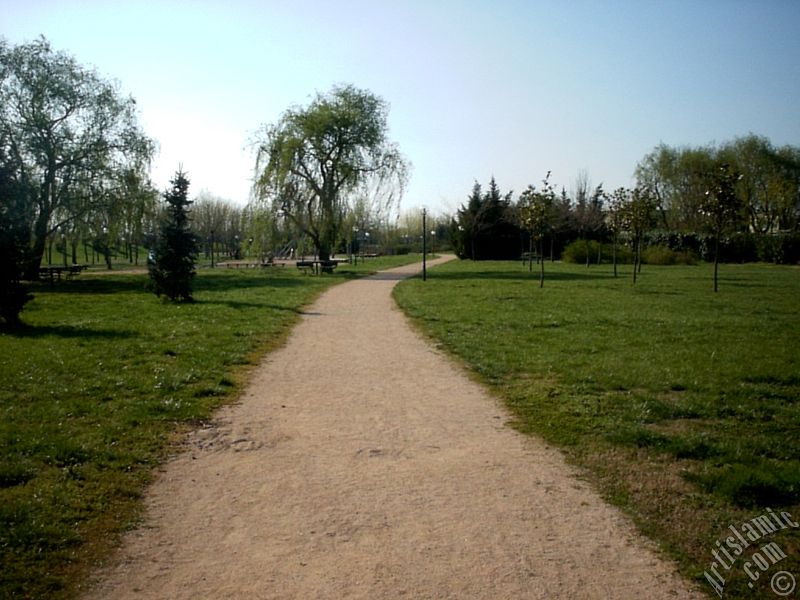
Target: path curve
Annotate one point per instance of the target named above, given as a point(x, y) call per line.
point(382, 471)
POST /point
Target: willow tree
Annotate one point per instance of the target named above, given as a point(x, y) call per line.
point(316, 161)
point(67, 136)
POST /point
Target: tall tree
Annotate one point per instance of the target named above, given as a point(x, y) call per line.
point(768, 186)
point(676, 179)
point(172, 267)
point(315, 160)
point(487, 226)
point(63, 130)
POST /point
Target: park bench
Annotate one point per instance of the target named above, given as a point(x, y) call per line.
point(317, 266)
point(306, 265)
point(53, 273)
point(528, 257)
point(328, 266)
point(270, 262)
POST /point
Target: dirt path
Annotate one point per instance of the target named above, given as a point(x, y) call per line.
point(362, 463)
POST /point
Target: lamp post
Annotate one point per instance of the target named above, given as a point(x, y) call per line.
point(424, 247)
point(64, 245)
point(212, 248)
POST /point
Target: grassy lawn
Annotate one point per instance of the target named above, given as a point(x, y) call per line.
point(682, 406)
point(96, 389)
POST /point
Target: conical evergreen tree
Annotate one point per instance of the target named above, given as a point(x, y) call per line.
point(172, 266)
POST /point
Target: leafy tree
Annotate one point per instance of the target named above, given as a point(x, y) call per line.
point(13, 249)
point(219, 224)
point(615, 219)
point(563, 221)
point(769, 186)
point(172, 268)
point(63, 131)
point(588, 210)
point(316, 160)
point(637, 220)
point(536, 215)
point(721, 207)
point(676, 179)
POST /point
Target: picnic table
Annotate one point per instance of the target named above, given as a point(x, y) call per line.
point(529, 257)
point(248, 265)
point(317, 266)
point(53, 273)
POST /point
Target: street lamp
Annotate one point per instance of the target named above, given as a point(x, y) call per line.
point(424, 247)
point(212, 248)
point(64, 244)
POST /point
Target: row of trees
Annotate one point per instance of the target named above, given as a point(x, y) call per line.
point(74, 165)
point(757, 216)
point(768, 187)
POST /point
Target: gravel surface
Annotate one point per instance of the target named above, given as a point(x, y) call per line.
point(360, 462)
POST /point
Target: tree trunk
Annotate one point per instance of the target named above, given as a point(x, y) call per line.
point(530, 254)
point(31, 270)
point(716, 261)
point(614, 254)
point(640, 255)
point(541, 262)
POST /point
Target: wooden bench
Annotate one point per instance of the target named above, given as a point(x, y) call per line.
point(328, 266)
point(53, 274)
point(248, 265)
point(528, 257)
point(306, 265)
point(317, 266)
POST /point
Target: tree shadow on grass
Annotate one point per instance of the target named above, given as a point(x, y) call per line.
point(239, 305)
point(221, 284)
point(110, 284)
point(521, 276)
point(88, 285)
point(65, 331)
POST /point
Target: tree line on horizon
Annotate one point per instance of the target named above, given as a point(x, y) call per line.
point(760, 219)
point(75, 185)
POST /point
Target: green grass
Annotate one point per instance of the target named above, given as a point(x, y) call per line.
point(96, 388)
point(681, 405)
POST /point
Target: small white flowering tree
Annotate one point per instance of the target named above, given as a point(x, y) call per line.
point(536, 215)
point(721, 207)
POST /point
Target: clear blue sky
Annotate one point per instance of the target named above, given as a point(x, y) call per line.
point(505, 88)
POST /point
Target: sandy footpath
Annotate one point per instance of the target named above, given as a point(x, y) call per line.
point(362, 463)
